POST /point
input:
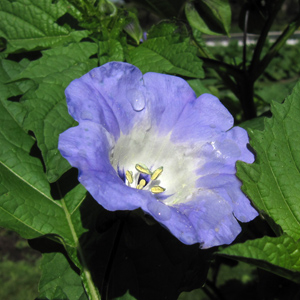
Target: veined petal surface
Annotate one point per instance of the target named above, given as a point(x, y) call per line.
point(146, 141)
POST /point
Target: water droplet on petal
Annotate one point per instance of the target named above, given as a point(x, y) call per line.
point(71, 110)
point(82, 153)
point(159, 210)
point(86, 115)
point(136, 99)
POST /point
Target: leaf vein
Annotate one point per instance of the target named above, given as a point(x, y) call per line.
point(29, 184)
point(281, 193)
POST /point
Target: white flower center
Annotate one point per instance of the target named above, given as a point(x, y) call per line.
point(144, 152)
point(150, 183)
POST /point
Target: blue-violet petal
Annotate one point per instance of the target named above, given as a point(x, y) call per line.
point(146, 141)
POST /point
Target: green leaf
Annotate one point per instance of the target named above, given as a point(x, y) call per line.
point(166, 51)
point(230, 279)
point(26, 205)
point(274, 91)
point(126, 296)
point(163, 8)
point(198, 294)
point(256, 123)
point(22, 178)
point(278, 255)
point(72, 9)
point(30, 24)
point(272, 182)
point(210, 17)
point(198, 87)
point(47, 115)
point(110, 50)
point(59, 280)
point(195, 21)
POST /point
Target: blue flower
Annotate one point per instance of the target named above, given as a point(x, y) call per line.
point(147, 141)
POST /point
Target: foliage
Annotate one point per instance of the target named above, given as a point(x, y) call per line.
point(22, 273)
point(90, 253)
point(19, 266)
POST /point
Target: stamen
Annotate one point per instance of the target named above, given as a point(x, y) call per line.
point(129, 177)
point(143, 169)
point(157, 189)
point(141, 184)
point(156, 173)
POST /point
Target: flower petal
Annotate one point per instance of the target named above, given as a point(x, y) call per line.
point(212, 219)
point(106, 95)
point(240, 137)
point(87, 147)
point(168, 96)
point(126, 118)
point(202, 120)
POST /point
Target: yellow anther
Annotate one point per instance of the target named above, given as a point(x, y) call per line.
point(141, 184)
point(156, 173)
point(157, 189)
point(129, 176)
point(143, 169)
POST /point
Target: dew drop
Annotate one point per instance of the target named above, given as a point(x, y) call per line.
point(71, 110)
point(136, 99)
point(82, 153)
point(85, 115)
point(159, 211)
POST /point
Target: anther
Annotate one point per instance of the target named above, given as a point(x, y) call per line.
point(129, 177)
point(141, 184)
point(157, 189)
point(142, 169)
point(156, 173)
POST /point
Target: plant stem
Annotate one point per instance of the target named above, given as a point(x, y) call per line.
point(222, 67)
point(263, 36)
point(242, 83)
point(86, 274)
point(291, 28)
point(246, 83)
point(88, 283)
point(246, 93)
point(245, 40)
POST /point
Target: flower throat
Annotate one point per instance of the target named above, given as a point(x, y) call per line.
point(144, 179)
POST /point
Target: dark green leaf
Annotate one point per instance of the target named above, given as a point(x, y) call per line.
point(24, 188)
point(59, 280)
point(166, 51)
point(126, 296)
point(197, 294)
point(274, 91)
point(209, 16)
point(30, 24)
point(256, 123)
point(198, 87)
point(163, 8)
point(47, 114)
point(195, 21)
point(234, 281)
point(278, 255)
point(272, 182)
point(26, 205)
point(110, 50)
